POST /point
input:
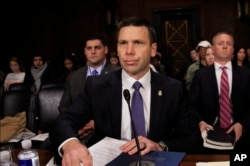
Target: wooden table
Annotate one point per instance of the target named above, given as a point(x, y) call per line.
point(188, 160)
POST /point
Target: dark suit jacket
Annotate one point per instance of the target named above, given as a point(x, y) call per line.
point(76, 84)
point(169, 119)
point(204, 95)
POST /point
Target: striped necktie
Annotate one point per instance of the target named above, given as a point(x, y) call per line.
point(225, 106)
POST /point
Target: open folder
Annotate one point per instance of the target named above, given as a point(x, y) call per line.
point(107, 152)
point(154, 158)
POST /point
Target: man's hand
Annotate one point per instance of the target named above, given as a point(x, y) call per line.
point(237, 128)
point(85, 131)
point(75, 153)
point(146, 146)
point(204, 126)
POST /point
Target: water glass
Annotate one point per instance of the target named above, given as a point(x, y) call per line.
point(6, 156)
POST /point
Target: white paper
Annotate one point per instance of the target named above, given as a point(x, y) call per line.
point(105, 150)
point(40, 137)
point(22, 135)
point(215, 163)
point(102, 152)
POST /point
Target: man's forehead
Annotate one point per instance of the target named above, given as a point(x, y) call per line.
point(93, 42)
point(37, 58)
point(135, 33)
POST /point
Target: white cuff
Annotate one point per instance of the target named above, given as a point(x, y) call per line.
point(64, 142)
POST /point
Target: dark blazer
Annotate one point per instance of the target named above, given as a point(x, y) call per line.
point(204, 95)
point(102, 98)
point(76, 84)
point(204, 102)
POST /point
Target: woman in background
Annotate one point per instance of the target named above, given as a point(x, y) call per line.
point(240, 58)
point(70, 64)
point(209, 59)
point(17, 73)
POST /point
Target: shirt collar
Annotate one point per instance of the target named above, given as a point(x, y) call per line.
point(99, 69)
point(128, 81)
point(218, 66)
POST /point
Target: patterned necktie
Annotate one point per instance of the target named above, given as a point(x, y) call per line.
point(225, 108)
point(94, 73)
point(137, 110)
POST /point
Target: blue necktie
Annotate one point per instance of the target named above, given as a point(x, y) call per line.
point(137, 110)
point(94, 73)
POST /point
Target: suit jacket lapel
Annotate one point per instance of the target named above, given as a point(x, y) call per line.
point(213, 81)
point(114, 98)
point(157, 100)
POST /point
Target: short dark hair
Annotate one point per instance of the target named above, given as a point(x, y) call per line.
point(96, 36)
point(137, 21)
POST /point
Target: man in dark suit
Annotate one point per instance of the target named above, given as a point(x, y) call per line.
point(95, 50)
point(205, 91)
point(168, 124)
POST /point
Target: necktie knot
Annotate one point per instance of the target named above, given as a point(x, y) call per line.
point(223, 68)
point(94, 73)
point(137, 85)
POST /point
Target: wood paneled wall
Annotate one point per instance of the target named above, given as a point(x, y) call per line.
point(57, 28)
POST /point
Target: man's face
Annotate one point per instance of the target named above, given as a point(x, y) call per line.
point(95, 52)
point(223, 47)
point(202, 52)
point(37, 62)
point(135, 50)
point(193, 55)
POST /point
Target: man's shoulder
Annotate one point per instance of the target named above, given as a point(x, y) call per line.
point(165, 79)
point(82, 71)
point(110, 67)
point(194, 66)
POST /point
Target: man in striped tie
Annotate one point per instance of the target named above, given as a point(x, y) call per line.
point(220, 93)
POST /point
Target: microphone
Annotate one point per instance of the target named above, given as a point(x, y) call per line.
point(126, 95)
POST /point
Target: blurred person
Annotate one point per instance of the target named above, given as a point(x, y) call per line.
point(209, 56)
point(40, 73)
point(114, 59)
point(168, 124)
point(201, 49)
point(240, 57)
point(156, 62)
point(193, 57)
point(70, 64)
point(248, 54)
point(17, 73)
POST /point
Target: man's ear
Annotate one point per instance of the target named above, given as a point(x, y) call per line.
point(153, 49)
point(106, 49)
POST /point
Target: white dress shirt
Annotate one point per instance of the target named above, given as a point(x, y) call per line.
point(145, 90)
